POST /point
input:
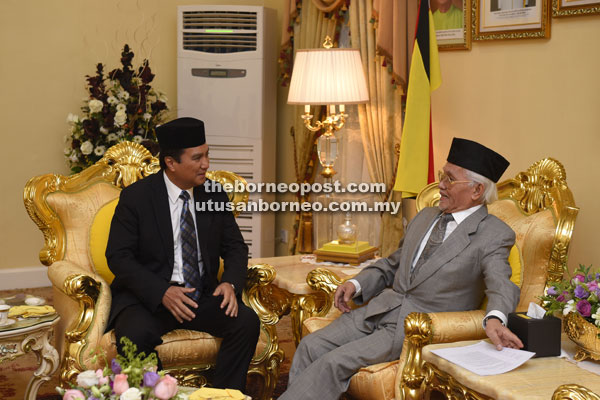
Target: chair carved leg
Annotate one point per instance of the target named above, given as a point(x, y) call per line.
point(417, 327)
point(270, 306)
point(85, 290)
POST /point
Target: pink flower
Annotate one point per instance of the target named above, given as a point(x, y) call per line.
point(73, 394)
point(101, 378)
point(166, 388)
point(120, 384)
point(579, 277)
point(592, 286)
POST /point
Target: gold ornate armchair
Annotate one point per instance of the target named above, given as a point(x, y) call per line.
point(539, 207)
point(74, 215)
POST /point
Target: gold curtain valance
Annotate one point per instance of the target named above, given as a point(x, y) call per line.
point(328, 5)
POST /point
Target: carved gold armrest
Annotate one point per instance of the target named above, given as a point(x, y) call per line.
point(421, 329)
point(257, 293)
point(85, 325)
point(326, 282)
point(574, 392)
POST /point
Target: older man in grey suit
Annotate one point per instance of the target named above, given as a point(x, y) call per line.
point(450, 258)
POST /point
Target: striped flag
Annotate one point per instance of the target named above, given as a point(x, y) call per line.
point(415, 165)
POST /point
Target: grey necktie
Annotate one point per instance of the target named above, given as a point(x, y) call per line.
point(435, 239)
point(189, 249)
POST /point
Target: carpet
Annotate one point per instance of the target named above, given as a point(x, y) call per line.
point(15, 374)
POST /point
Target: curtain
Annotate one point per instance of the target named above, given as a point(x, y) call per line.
point(381, 118)
point(396, 21)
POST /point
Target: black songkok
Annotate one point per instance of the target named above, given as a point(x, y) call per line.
point(477, 158)
point(181, 133)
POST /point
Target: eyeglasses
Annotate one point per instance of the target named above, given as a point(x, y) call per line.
point(443, 177)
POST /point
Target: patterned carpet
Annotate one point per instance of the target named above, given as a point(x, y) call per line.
point(14, 375)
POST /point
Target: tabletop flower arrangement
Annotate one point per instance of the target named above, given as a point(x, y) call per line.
point(122, 105)
point(578, 294)
point(129, 377)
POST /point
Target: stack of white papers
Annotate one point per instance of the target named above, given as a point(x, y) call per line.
point(483, 359)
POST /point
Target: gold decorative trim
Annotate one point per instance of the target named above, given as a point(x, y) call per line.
point(585, 336)
point(448, 386)
point(324, 281)
point(585, 9)
point(266, 367)
point(574, 392)
point(86, 291)
point(195, 376)
point(417, 330)
point(543, 32)
point(535, 187)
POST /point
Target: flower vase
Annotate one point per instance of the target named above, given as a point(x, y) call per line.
point(585, 336)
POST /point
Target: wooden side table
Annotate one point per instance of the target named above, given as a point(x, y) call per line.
point(32, 334)
point(538, 378)
point(290, 294)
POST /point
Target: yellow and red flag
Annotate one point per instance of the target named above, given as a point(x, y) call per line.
point(415, 165)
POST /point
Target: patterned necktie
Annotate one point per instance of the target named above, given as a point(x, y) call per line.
point(189, 248)
point(435, 239)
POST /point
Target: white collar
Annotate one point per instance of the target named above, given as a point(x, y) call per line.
point(174, 191)
point(460, 216)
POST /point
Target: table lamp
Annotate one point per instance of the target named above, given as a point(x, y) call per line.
point(331, 77)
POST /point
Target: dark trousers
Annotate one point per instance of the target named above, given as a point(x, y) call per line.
point(239, 334)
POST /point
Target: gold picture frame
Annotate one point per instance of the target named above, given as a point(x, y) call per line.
point(455, 32)
point(567, 8)
point(510, 19)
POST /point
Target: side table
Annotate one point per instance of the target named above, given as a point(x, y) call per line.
point(31, 334)
point(290, 294)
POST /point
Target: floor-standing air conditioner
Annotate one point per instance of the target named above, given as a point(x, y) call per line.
point(226, 76)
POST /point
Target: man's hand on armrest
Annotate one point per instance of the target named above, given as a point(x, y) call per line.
point(343, 294)
point(501, 336)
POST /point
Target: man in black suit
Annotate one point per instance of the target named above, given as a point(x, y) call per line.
point(165, 258)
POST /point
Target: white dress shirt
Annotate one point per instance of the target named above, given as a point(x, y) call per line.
point(175, 206)
point(459, 217)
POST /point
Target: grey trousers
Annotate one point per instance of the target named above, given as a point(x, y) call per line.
point(325, 360)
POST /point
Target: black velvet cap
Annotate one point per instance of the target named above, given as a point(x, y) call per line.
point(477, 158)
point(181, 133)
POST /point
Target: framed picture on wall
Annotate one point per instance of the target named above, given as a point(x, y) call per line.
point(511, 19)
point(452, 21)
point(562, 8)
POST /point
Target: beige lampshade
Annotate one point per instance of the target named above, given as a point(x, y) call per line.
point(328, 76)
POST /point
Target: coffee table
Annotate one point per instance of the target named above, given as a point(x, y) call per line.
point(31, 334)
point(290, 294)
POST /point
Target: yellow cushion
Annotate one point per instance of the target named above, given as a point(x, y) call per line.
point(514, 259)
point(99, 239)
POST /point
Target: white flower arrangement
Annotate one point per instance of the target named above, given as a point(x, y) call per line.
point(121, 106)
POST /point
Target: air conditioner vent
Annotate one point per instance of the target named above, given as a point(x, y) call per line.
point(219, 31)
point(219, 20)
point(219, 42)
